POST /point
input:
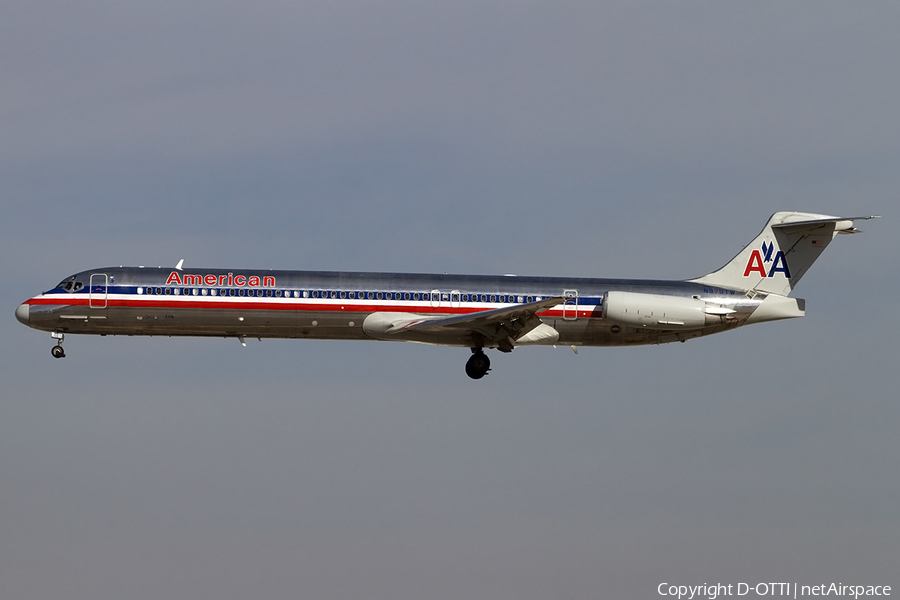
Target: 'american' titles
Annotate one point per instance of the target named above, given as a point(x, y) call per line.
point(175, 278)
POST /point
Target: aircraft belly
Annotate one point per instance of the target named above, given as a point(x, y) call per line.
point(196, 321)
point(234, 322)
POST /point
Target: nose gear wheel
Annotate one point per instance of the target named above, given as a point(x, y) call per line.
point(57, 350)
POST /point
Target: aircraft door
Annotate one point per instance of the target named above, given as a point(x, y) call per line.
point(97, 290)
point(570, 306)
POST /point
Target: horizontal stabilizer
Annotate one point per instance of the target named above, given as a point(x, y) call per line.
point(841, 225)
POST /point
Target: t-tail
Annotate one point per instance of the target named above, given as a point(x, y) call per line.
point(781, 254)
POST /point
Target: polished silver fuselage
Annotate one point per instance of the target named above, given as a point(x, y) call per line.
point(336, 305)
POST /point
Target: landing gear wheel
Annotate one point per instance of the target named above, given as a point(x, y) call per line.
point(58, 352)
point(478, 365)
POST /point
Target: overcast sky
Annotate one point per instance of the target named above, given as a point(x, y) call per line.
point(639, 139)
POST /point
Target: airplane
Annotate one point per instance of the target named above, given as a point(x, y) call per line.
point(478, 312)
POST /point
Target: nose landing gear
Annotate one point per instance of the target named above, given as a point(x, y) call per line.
point(478, 365)
point(57, 350)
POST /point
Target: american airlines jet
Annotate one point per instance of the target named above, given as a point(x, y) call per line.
point(478, 312)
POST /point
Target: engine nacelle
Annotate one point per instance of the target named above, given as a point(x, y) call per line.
point(655, 311)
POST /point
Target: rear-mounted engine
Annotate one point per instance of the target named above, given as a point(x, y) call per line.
point(655, 311)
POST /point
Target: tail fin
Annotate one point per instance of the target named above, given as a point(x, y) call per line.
point(781, 254)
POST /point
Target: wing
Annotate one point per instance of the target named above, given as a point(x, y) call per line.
point(501, 327)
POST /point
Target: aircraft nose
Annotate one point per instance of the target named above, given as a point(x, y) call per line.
point(22, 314)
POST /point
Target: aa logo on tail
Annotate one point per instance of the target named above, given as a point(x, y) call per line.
point(760, 258)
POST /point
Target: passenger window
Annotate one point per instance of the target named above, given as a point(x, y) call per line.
point(140, 290)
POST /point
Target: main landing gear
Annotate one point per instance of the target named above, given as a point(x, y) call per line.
point(57, 350)
point(478, 365)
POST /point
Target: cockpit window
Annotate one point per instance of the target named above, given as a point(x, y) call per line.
point(70, 285)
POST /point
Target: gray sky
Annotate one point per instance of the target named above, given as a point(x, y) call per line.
point(644, 139)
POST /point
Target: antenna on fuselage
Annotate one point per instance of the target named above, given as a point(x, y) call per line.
point(179, 265)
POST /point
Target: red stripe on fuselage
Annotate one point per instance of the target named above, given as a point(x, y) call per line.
point(291, 304)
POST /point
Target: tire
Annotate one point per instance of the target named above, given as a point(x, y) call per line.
point(478, 365)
